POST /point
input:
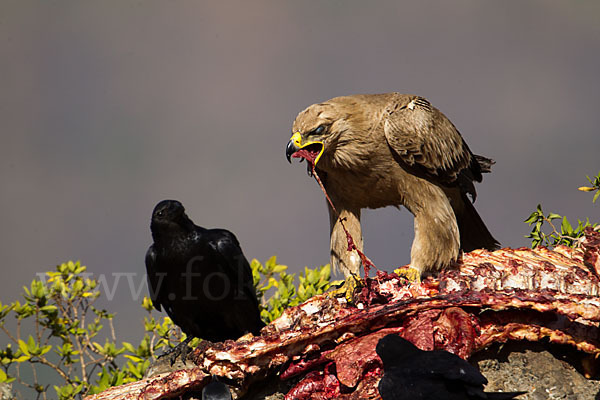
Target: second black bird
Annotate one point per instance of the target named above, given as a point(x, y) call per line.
point(411, 373)
point(200, 277)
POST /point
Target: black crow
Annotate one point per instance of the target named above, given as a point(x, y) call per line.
point(411, 373)
point(216, 390)
point(200, 277)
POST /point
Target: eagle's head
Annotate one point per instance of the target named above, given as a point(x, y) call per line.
point(315, 133)
point(332, 135)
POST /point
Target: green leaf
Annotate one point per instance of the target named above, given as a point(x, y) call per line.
point(279, 268)
point(23, 347)
point(566, 227)
point(129, 347)
point(553, 216)
point(532, 218)
point(98, 347)
point(133, 358)
point(77, 287)
point(5, 378)
point(586, 188)
point(68, 392)
point(272, 282)
point(147, 304)
point(5, 309)
point(49, 309)
point(270, 263)
point(326, 272)
point(45, 349)
point(24, 311)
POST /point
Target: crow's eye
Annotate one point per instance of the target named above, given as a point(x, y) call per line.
point(161, 213)
point(319, 130)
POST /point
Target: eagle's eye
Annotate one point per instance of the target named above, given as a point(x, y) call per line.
point(320, 129)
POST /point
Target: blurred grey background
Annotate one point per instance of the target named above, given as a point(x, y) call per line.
point(108, 107)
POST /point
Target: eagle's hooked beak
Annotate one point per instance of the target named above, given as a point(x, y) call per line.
point(290, 149)
point(313, 150)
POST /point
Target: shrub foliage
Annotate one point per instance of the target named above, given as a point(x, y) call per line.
point(77, 345)
point(545, 232)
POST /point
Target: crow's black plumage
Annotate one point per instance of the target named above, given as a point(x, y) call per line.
point(216, 390)
point(411, 373)
point(200, 277)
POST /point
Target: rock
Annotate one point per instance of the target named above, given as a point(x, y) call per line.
point(544, 371)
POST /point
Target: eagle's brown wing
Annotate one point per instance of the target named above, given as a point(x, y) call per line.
point(426, 141)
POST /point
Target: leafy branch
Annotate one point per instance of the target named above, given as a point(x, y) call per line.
point(58, 308)
point(565, 234)
point(272, 279)
point(595, 182)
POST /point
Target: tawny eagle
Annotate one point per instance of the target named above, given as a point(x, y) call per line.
point(394, 149)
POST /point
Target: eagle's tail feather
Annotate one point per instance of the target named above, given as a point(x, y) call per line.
point(473, 232)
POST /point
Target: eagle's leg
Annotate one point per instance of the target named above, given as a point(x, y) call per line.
point(343, 259)
point(437, 240)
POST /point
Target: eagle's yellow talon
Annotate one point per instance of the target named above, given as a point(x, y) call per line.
point(347, 289)
point(409, 273)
